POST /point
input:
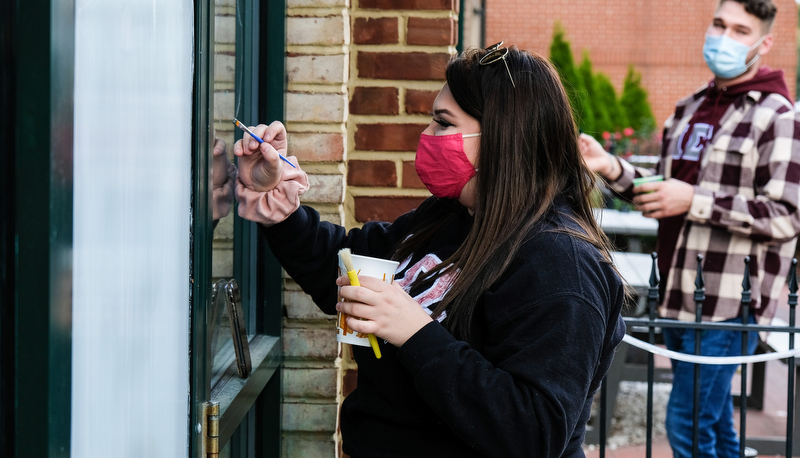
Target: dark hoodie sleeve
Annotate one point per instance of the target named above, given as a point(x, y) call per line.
point(308, 248)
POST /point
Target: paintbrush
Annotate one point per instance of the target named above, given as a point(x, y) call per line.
point(239, 124)
point(347, 260)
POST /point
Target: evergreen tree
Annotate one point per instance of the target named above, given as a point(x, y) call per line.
point(635, 105)
point(602, 120)
point(607, 97)
point(797, 77)
point(562, 60)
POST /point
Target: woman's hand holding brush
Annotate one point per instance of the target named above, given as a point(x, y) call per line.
point(260, 163)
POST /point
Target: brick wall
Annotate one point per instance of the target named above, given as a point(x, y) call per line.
point(317, 59)
point(399, 52)
point(664, 40)
point(362, 77)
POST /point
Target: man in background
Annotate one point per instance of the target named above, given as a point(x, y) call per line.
point(730, 160)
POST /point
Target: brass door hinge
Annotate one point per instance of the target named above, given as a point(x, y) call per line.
point(211, 427)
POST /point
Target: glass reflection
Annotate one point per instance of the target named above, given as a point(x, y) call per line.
point(228, 342)
point(224, 101)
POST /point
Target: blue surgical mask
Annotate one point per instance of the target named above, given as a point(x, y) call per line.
point(726, 57)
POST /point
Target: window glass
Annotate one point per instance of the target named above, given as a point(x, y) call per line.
point(132, 186)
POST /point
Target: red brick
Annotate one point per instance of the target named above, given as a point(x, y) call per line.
point(408, 4)
point(410, 178)
point(432, 32)
point(349, 381)
point(420, 102)
point(371, 173)
point(384, 208)
point(375, 31)
point(375, 100)
point(388, 137)
point(402, 65)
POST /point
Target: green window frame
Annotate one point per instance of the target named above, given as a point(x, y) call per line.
point(250, 420)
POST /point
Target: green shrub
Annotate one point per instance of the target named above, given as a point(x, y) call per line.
point(607, 97)
point(593, 99)
point(602, 120)
point(562, 60)
point(797, 78)
point(635, 105)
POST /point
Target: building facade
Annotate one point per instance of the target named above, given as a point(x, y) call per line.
point(662, 39)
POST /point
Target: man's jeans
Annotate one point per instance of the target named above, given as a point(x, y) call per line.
point(717, 435)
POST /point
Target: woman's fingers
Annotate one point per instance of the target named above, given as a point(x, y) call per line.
point(362, 326)
point(357, 294)
point(246, 146)
point(273, 135)
point(270, 154)
point(360, 301)
point(356, 309)
point(275, 132)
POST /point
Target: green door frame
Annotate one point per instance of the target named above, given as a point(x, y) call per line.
point(38, 38)
point(7, 224)
point(41, 37)
point(269, 314)
point(202, 229)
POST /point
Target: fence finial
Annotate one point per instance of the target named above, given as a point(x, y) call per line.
point(654, 270)
point(793, 277)
point(746, 288)
point(699, 282)
point(746, 285)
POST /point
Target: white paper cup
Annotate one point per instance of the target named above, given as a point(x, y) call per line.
point(369, 267)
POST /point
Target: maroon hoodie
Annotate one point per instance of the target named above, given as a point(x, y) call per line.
point(698, 133)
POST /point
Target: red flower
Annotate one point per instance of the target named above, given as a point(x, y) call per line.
point(606, 135)
point(617, 135)
point(628, 131)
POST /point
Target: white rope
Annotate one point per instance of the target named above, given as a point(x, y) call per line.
point(719, 360)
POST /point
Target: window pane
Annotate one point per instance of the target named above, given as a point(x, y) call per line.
point(132, 153)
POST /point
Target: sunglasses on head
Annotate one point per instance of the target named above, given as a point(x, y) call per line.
point(495, 53)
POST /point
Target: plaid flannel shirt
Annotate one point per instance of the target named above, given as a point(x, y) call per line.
point(745, 204)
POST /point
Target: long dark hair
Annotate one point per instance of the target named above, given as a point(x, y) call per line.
point(528, 156)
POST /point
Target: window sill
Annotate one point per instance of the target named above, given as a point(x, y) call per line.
point(237, 395)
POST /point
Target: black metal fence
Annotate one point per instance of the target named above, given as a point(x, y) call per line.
point(771, 446)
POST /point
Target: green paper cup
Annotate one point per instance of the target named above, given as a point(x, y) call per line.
point(651, 179)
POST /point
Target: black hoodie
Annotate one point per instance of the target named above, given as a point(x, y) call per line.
point(543, 339)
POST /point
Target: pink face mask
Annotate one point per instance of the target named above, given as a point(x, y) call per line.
point(442, 164)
